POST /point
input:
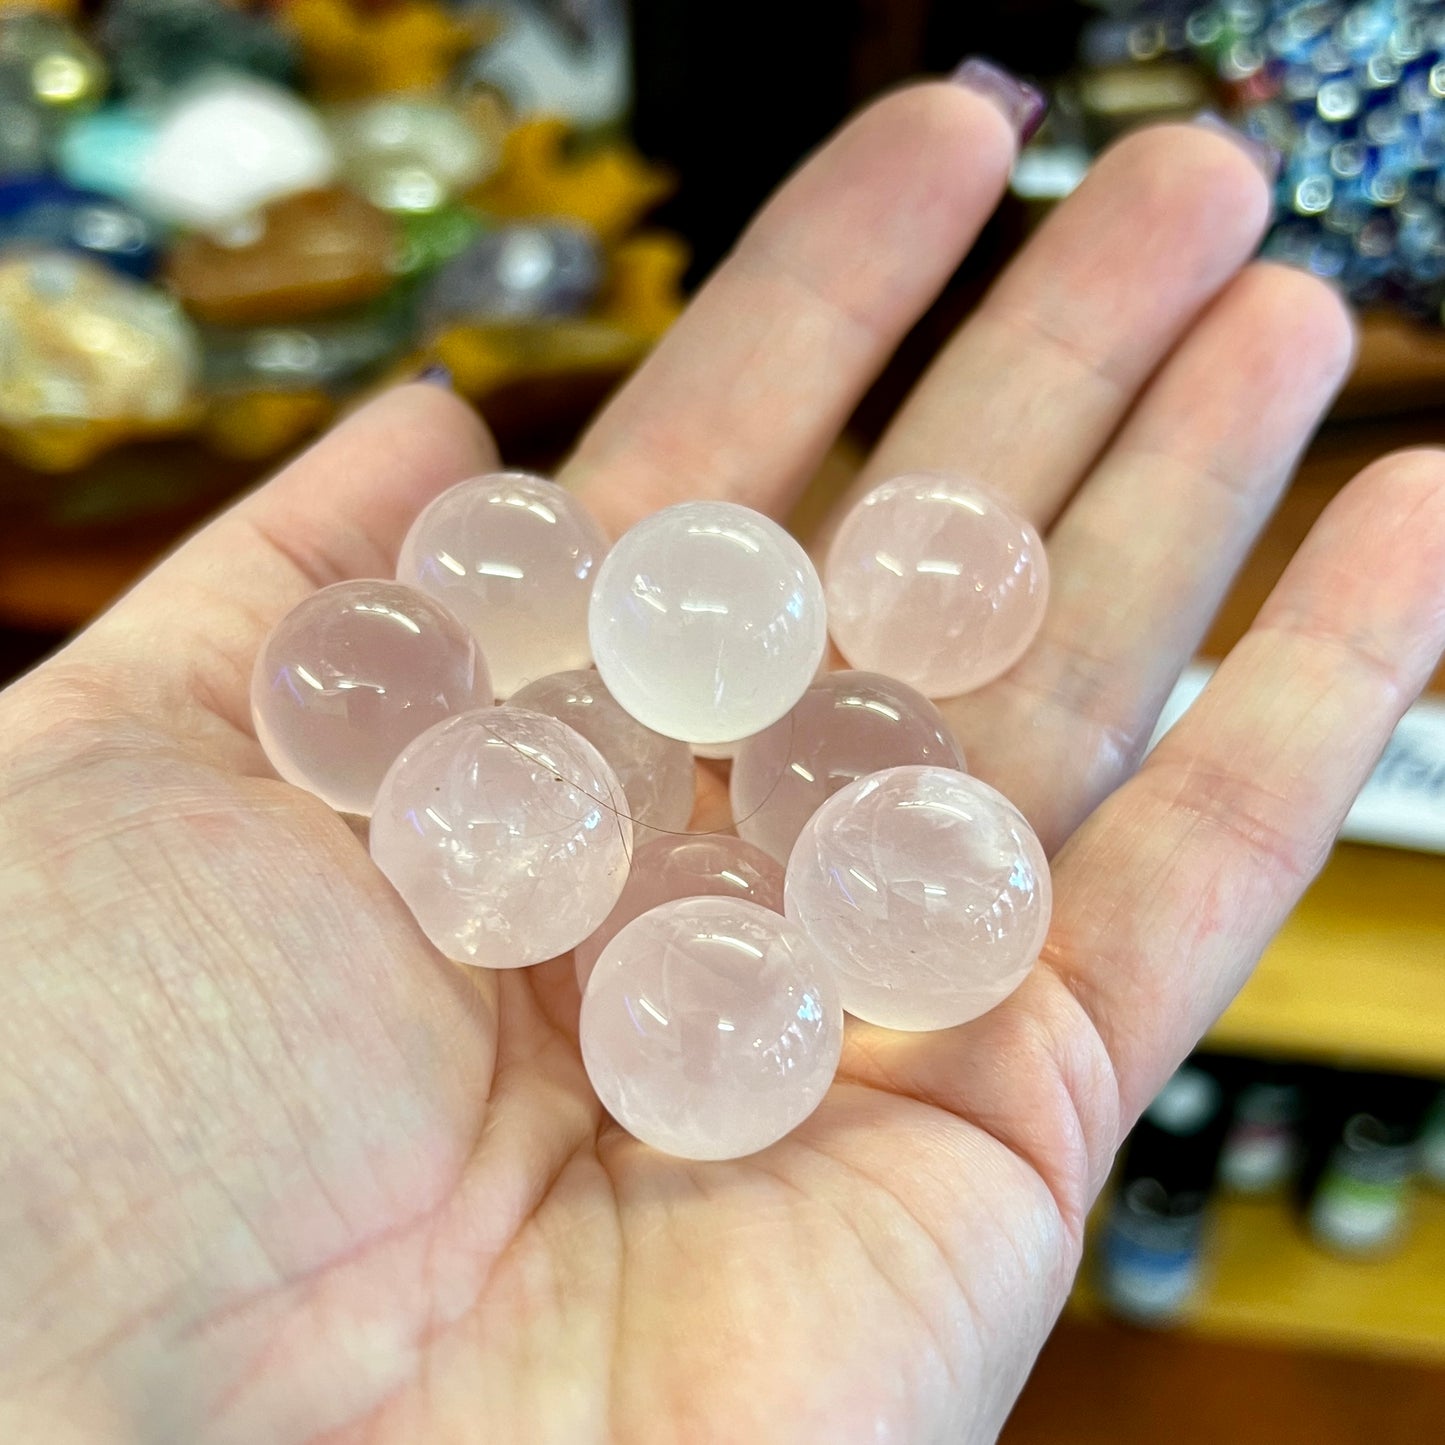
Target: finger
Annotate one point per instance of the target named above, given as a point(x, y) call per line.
point(1035, 382)
point(1142, 557)
point(1169, 893)
point(179, 648)
point(748, 390)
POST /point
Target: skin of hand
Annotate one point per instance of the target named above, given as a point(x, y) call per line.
point(272, 1171)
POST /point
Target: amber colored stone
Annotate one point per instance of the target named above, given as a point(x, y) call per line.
point(483, 358)
point(644, 289)
point(642, 299)
point(55, 447)
point(350, 51)
point(258, 425)
point(315, 252)
point(608, 188)
point(68, 8)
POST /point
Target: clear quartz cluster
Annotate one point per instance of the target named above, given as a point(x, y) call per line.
point(870, 872)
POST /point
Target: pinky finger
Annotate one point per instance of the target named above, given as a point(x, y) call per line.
point(1170, 892)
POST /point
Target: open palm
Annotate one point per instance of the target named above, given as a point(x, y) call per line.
point(271, 1170)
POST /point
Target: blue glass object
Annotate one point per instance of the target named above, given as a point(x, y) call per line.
point(524, 272)
point(1352, 92)
point(45, 211)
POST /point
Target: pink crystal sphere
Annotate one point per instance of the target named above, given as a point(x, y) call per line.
point(711, 1027)
point(707, 621)
point(657, 773)
point(927, 892)
point(507, 835)
point(845, 725)
point(515, 558)
point(350, 676)
point(667, 868)
point(935, 582)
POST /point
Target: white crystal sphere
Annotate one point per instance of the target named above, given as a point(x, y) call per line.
point(350, 676)
point(926, 890)
point(935, 582)
point(506, 833)
point(707, 621)
point(711, 1027)
point(665, 868)
point(515, 558)
point(657, 773)
point(847, 724)
point(717, 752)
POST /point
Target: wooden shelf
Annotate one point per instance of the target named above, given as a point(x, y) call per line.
point(1267, 1281)
point(1357, 976)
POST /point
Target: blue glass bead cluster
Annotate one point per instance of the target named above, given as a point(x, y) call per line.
point(1353, 96)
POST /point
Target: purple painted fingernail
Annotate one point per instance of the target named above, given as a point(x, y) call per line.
point(1264, 155)
point(436, 375)
point(1023, 105)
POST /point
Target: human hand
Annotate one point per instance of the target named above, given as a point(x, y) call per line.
point(273, 1171)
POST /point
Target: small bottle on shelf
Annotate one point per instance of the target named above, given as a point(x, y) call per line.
point(1432, 1143)
point(1263, 1145)
point(1357, 1188)
point(1153, 1236)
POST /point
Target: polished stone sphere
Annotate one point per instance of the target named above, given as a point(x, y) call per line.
point(506, 834)
point(935, 582)
point(926, 890)
point(710, 1028)
point(717, 752)
point(847, 724)
point(707, 864)
point(657, 773)
point(707, 621)
point(350, 676)
point(515, 558)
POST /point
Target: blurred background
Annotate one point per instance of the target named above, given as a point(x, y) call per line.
point(221, 223)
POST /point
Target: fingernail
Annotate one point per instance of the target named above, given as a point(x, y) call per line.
point(1023, 105)
point(1264, 155)
point(436, 375)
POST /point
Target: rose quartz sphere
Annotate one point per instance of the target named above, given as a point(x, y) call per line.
point(506, 833)
point(710, 1027)
point(667, 868)
point(927, 892)
point(515, 558)
point(657, 773)
point(350, 676)
point(846, 725)
point(707, 621)
point(936, 583)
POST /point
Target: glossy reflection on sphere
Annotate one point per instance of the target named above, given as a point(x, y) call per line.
point(711, 1027)
point(708, 865)
point(847, 724)
point(350, 676)
point(926, 890)
point(707, 622)
point(491, 829)
point(935, 582)
point(515, 558)
point(657, 773)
